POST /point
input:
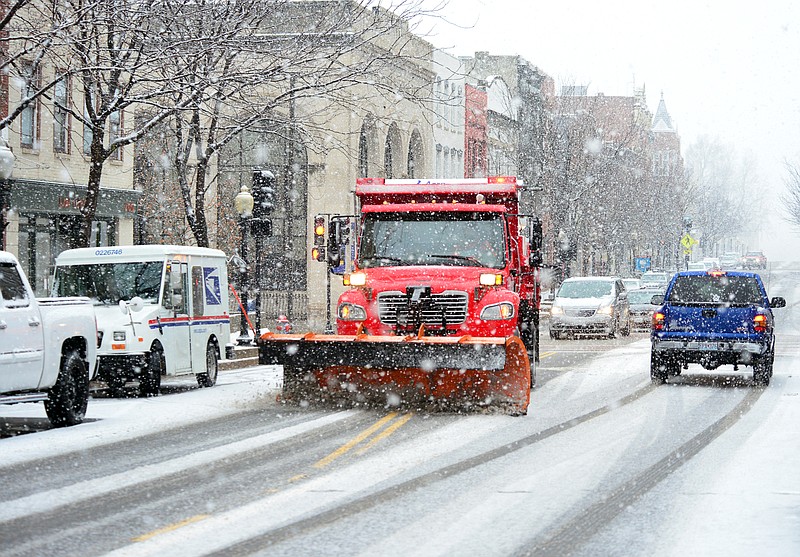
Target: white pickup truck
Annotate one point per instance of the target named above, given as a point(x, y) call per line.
point(48, 347)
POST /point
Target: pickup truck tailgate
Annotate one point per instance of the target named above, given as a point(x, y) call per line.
point(709, 321)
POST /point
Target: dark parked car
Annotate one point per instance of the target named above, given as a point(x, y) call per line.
point(642, 307)
point(714, 318)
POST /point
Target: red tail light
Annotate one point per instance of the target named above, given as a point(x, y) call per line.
point(760, 323)
point(658, 320)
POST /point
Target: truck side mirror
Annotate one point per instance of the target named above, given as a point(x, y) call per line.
point(134, 305)
point(777, 302)
point(657, 300)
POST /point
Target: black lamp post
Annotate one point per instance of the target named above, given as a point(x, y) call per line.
point(6, 167)
point(243, 203)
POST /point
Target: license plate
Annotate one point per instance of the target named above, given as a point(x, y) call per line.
point(706, 345)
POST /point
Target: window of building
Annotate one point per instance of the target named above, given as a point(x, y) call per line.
point(88, 133)
point(61, 118)
point(363, 153)
point(388, 162)
point(114, 133)
point(29, 119)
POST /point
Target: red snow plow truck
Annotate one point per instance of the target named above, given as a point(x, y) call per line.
point(442, 305)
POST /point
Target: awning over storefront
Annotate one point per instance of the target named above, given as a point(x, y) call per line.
point(33, 195)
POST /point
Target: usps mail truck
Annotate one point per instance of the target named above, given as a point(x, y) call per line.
point(161, 310)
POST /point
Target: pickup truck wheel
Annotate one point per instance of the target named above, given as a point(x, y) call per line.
point(658, 369)
point(68, 398)
point(150, 379)
point(209, 378)
point(762, 372)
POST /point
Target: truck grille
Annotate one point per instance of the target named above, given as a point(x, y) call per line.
point(394, 305)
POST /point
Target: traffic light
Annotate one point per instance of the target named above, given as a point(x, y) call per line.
point(263, 193)
point(338, 238)
point(535, 242)
point(318, 250)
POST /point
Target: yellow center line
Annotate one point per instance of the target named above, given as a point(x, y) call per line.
point(352, 443)
point(545, 354)
point(385, 433)
point(170, 528)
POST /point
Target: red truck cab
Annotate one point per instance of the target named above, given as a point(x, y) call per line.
point(454, 257)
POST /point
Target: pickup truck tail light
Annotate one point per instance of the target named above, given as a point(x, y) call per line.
point(760, 323)
point(658, 320)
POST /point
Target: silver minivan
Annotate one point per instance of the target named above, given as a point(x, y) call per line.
point(590, 306)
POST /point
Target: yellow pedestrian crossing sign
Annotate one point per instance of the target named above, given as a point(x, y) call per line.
point(688, 242)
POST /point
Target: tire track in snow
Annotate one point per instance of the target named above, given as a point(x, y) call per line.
point(329, 516)
point(566, 537)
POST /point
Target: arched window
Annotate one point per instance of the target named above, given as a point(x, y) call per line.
point(363, 152)
point(388, 158)
point(415, 155)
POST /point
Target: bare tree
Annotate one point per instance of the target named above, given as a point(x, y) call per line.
point(791, 197)
point(251, 63)
point(724, 191)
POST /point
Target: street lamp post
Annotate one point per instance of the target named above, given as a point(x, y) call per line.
point(6, 167)
point(243, 203)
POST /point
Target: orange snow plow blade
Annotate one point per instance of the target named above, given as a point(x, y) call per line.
point(481, 371)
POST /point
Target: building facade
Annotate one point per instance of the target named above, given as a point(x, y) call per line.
point(51, 169)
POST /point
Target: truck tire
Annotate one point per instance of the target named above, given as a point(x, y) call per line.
point(658, 369)
point(150, 379)
point(762, 372)
point(209, 378)
point(529, 330)
point(68, 398)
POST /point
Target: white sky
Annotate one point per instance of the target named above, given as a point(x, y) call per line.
point(727, 69)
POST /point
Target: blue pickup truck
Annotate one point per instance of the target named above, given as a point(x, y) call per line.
point(713, 318)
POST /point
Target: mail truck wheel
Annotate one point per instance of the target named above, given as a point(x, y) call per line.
point(209, 378)
point(150, 379)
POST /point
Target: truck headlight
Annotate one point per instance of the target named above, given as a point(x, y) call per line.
point(491, 279)
point(351, 312)
point(556, 310)
point(119, 336)
point(355, 279)
point(497, 312)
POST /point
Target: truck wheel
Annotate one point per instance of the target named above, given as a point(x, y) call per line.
point(529, 330)
point(68, 398)
point(209, 378)
point(658, 369)
point(762, 372)
point(150, 379)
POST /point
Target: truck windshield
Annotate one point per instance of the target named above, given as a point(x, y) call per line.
point(109, 283)
point(442, 238)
